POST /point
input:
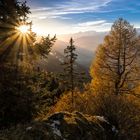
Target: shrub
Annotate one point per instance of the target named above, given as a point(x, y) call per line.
point(121, 111)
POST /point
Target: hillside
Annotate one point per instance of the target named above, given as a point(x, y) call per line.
point(54, 63)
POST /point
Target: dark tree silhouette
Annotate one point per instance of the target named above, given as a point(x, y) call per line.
point(69, 67)
point(12, 14)
point(43, 48)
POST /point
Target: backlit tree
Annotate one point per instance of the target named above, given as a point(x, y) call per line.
point(116, 67)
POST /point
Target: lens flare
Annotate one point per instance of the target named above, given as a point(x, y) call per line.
point(23, 29)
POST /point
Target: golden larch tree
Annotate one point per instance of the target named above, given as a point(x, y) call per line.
point(116, 67)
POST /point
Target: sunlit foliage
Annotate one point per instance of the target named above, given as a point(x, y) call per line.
point(116, 66)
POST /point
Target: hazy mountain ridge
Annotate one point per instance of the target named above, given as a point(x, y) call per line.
point(86, 44)
point(66, 37)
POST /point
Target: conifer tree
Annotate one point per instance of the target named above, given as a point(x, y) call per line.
point(43, 48)
point(13, 14)
point(69, 67)
point(116, 67)
point(14, 91)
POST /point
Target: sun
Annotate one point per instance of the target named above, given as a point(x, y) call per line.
point(24, 29)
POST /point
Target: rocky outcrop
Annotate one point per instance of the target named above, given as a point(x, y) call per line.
point(67, 126)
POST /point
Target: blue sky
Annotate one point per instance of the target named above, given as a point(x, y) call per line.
point(70, 16)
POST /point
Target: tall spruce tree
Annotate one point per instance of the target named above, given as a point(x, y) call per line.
point(116, 67)
point(69, 67)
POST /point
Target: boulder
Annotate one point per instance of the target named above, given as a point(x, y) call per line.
point(68, 126)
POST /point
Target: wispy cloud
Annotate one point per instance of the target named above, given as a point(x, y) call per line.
point(99, 25)
point(70, 7)
point(69, 16)
point(92, 23)
point(83, 5)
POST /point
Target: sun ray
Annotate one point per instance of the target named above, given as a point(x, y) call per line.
point(15, 45)
point(24, 48)
point(15, 61)
point(12, 54)
point(7, 48)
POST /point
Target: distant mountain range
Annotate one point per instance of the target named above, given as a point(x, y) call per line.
point(86, 44)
